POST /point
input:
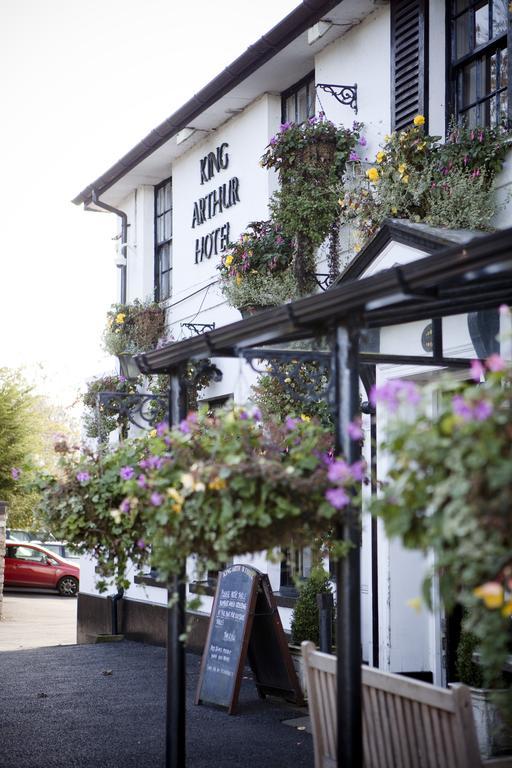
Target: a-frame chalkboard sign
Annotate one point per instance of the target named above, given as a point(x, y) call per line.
point(245, 624)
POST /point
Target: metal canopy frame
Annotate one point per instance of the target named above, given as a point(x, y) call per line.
point(455, 280)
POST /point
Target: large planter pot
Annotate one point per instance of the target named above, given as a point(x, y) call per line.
point(494, 736)
point(249, 311)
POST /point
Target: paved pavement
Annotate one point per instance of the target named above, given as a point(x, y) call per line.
point(35, 620)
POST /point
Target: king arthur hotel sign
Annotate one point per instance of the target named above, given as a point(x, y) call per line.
point(215, 202)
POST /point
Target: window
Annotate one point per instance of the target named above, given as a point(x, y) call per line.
point(298, 102)
point(479, 62)
point(163, 240)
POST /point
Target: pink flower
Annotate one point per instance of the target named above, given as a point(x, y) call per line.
point(337, 497)
point(141, 544)
point(83, 477)
point(395, 391)
point(339, 472)
point(482, 410)
point(358, 469)
point(354, 430)
point(125, 506)
point(162, 428)
point(142, 482)
point(495, 363)
point(461, 408)
point(477, 370)
point(156, 499)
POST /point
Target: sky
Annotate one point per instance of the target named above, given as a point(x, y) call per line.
point(81, 83)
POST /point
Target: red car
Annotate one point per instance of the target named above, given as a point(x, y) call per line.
point(32, 566)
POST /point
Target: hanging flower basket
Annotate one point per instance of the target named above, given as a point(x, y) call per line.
point(320, 153)
point(134, 328)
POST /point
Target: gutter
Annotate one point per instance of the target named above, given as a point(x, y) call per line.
point(124, 238)
point(287, 30)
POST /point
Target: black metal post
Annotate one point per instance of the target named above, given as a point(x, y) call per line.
point(325, 604)
point(348, 577)
point(175, 729)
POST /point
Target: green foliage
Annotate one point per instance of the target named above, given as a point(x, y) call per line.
point(102, 419)
point(81, 504)
point(305, 622)
point(416, 177)
point(468, 671)
point(216, 486)
point(134, 328)
point(449, 489)
point(261, 289)
point(287, 391)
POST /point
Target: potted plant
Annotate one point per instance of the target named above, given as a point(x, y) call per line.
point(449, 490)
point(306, 617)
point(310, 159)
point(134, 328)
point(102, 418)
point(494, 738)
point(256, 270)
point(416, 177)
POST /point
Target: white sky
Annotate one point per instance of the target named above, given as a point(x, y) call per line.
point(82, 81)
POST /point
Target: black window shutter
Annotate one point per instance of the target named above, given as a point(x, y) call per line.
point(409, 61)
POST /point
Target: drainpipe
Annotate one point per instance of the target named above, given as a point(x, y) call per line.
point(124, 238)
point(115, 600)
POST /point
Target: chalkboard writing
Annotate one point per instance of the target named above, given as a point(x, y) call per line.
point(245, 620)
point(226, 645)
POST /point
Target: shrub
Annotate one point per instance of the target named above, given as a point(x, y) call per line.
point(305, 621)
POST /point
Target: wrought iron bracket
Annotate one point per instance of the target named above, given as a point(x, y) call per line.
point(134, 407)
point(344, 94)
point(199, 328)
point(324, 280)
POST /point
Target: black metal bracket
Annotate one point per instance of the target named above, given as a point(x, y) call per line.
point(199, 328)
point(324, 280)
point(134, 407)
point(344, 94)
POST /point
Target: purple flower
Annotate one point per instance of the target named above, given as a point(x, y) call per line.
point(243, 415)
point(482, 410)
point(290, 423)
point(144, 464)
point(354, 430)
point(339, 472)
point(362, 141)
point(313, 120)
point(256, 414)
point(125, 506)
point(155, 462)
point(477, 370)
point(284, 127)
point(495, 363)
point(337, 497)
point(15, 473)
point(142, 481)
point(83, 477)
point(141, 544)
point(273, 141)
point(156, 499)
point(395, 391)
point(353, 157)
point(162, 428)
point(184, 427)
point(126, 473)
point(358, 469)
point(461, 408)
point(122, 379)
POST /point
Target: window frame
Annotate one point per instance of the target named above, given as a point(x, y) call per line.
point(293, 90)
point(160, 245)
point(455, 65)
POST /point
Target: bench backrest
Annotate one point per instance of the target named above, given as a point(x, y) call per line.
point(406, 723)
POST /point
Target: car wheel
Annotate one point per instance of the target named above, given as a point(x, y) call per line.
point(68, 586)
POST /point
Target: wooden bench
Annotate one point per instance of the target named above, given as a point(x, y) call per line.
point(406, 723)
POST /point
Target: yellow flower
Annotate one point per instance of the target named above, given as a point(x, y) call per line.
point(152, 433)
point(373, 174)
point(394, 209)
point(401, 169)
point(172, 493)
point(491, 593)
point(120, 318)
point(507, 609)
point(415, 604)
point(341, 203)
point(217, 484)
point(228, 260)
point(422, 145)
point(380, 156)
point(190, 484)
point(419, 120)
point(238, 279)
point(405, 179)
point(387, 137)
point(303, 417)
point(357, 247)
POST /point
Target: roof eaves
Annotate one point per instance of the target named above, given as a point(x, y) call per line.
point(257, 54)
